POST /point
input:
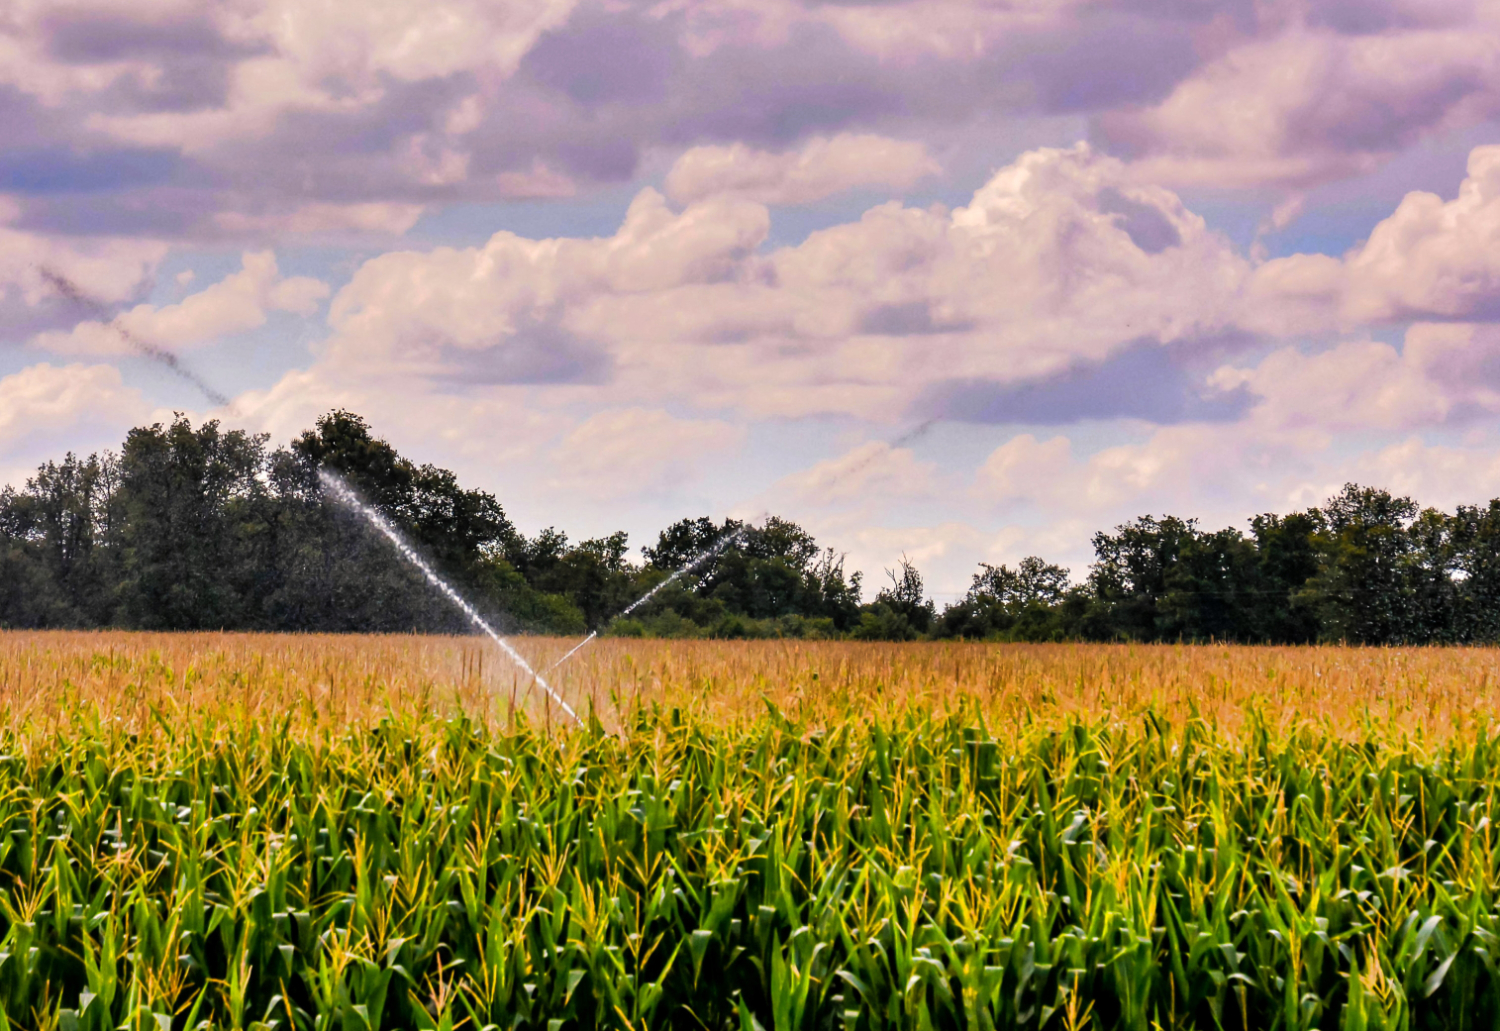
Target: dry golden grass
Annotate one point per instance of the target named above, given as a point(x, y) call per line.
point(312, 682)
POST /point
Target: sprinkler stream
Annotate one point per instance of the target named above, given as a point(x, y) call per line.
point(697, 560)
point(345, 495)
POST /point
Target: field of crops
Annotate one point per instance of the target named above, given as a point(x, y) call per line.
point(318, 833)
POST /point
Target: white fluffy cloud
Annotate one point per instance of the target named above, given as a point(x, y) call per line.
point(42, 402)
point(1312, 103)
point(106, 269)
point(632, 451)
point(283, 56)
point(872, 471)
point(1443, 373)
point(1430, 259)
point(236, 303)
point(1058, 259)
point(821, 168)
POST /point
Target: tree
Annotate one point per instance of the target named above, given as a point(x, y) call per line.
point(773, 573)
point(1129, 577)
point(1475, 544)
point(1025, 603)
point(1211, 590)
point(53, 564)
point(1288, 552)
point(1363, 590)
point(593, 577)
point(901, 611)
point(190, 524)
point(1032, 582)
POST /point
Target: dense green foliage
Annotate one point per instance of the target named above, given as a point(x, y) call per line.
point(206, 528)
point(1367, 567)
point(919, 873)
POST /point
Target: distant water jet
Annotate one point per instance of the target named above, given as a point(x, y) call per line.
point(697, 560)
point(70, 291)
point(346, 496)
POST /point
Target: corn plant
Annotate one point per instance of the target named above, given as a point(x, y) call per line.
point(902, 870)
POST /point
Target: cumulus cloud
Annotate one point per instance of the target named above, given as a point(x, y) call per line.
point(475, 434)
point(1432, 258)
point(1429, 259)
point(109, 270)
point(1434, 474)
point(1356, 385)
point(1443, 373)
point(193, 122)
point(46, 402)
point(821, 168)
point(632, 451)
point(873, 470)
point(239, 302)
point(1311, 103)
point(1056, 261)
point(509, 312)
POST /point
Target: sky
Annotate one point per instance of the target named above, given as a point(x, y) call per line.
point(964, 281)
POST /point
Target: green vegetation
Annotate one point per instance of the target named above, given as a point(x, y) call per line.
point(205, 528)
point(914, 872)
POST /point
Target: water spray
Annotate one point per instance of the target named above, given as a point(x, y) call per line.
point(698, 559)
point(345, 495)
point(70, 291)
point(592, 634)
point(703, 556)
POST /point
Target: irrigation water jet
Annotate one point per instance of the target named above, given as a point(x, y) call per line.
point(698, 559)
point(345, 495)
point(70, 291)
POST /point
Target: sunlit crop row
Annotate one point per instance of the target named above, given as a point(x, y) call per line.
point(373, 833)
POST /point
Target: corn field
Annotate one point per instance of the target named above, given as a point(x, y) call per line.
point(196, 835)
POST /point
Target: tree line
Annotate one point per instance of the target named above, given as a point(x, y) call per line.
point(189, 528)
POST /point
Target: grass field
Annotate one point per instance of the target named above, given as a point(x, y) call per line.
point(312, 832)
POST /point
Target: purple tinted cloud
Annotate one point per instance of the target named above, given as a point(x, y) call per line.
point(56, 170)
point(1141, 382)
point(542, 352)
point(596, 91)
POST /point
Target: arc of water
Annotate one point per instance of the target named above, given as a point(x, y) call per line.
point(698, 559)
point(592, 634)
point(345, 495)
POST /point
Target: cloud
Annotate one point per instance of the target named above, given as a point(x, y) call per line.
point(239, 302)
point(267, 118)
point(1305, 105)
point(873, 470)
point(1222, 473)
point(478, 434)
point(1433, 258)
point(47, 402)
point(1444, 373)
point(321, 220)
point(1024, 468)
point(111, 270)
point(634, 451)
point(821, 168)
point(1438, 475)
point(1061, 282)
point(1140, 382)
point(1430, 259)
point(1355, 385)
point(510, 311)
